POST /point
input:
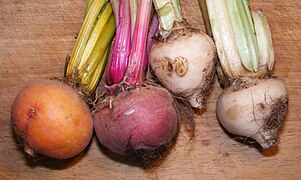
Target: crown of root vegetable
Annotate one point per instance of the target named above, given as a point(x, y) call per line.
point(250, 107)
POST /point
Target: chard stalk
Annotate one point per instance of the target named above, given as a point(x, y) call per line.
point(121, 47)
point(83, 37)
point(264, 39)
point(135, 74)
point(89, 56)
point(99, 49)
point(95, 36)
point(150, 39)
point(168, 12)
point(134, 8)
point(115, 6)
point(224, 38)
point(95, 78)
point(88, 6)
point(244, 35)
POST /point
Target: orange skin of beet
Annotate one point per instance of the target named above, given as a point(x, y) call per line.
point(51, 119)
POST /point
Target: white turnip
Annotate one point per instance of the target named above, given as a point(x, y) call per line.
point(185, 64)
point(254, 108)
point(182, 58)
point(255, 103)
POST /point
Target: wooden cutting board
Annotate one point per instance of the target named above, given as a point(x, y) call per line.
point(36, 36)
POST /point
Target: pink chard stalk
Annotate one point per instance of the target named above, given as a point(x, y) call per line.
point(153, 29)
point(128, 59)
point(121, 47)
point(135, 74)
point(115, 5)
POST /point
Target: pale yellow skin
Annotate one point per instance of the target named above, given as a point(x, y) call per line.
point(197, 50)
point(243, 112)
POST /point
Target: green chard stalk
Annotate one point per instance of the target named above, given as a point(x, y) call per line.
point(243, 40)
point(243, 30)
point(168, 12)
point(264, 39)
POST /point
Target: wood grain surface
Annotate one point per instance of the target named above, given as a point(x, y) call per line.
point(36, 36)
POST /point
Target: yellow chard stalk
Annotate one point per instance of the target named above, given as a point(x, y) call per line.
point(89, 55)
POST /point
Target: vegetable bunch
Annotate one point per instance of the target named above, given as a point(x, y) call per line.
point(51, 118)
point(254, 102)
point(137, 118)
point(243, 46)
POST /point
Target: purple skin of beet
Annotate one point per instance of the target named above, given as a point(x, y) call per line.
point(142, 119)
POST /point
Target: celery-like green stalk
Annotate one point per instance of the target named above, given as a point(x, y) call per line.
point(177, 10)
point(244, 35)
point(224, 38)
point(264, 39)
point(168, 12)
point(234, 34)
point(243, 42)
point(203, 7)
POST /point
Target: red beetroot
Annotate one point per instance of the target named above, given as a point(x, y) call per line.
point(139, 122)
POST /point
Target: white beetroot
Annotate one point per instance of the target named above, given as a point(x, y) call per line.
point(182, 58)
point(185, 64)
point(254, 108)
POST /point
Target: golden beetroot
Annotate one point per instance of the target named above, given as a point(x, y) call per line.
point(50, 118)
